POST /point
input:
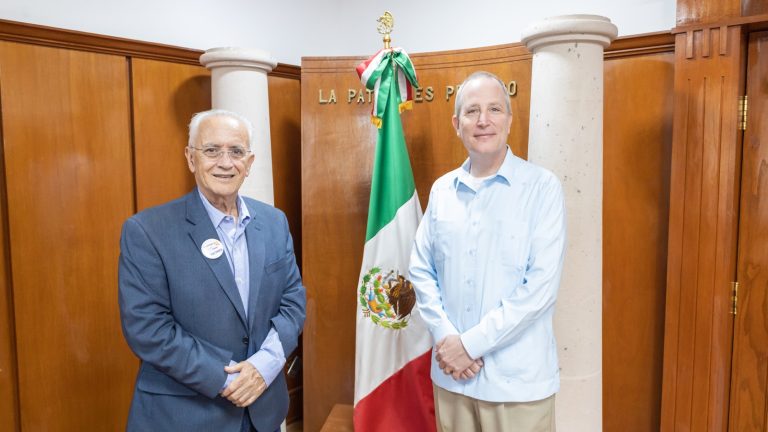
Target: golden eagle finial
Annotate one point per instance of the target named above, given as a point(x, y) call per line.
point(385, 26)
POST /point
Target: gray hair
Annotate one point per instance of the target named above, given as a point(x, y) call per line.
point(475, 76)
point(198, 118)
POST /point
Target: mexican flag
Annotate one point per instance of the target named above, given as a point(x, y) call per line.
point(393, 389)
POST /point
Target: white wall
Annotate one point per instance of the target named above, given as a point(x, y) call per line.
point(290, 29)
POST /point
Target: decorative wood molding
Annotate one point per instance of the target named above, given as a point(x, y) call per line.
point(13, 31)
point(49, 36)
point(750, 23)
point(649, 43)
point(432, 60)
point(286, 71)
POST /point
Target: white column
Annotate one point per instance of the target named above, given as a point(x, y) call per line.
point(239, 84)
point(566, 136)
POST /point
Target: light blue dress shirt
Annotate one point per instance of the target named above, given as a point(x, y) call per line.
point(270, 358)
point(486, 265)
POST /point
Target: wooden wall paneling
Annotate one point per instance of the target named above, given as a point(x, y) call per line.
point(702, 228)
point(749, 382)
point(636, 152)
point(165, 96)
point(69, 183)
point(9, 382)
point(285, 134)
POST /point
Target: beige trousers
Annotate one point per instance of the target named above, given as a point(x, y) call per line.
point(459, 413)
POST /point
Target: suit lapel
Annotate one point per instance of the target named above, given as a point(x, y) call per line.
point(202, 229)
point(256, 253)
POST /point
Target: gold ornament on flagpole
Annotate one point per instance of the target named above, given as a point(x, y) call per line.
point(385, 26)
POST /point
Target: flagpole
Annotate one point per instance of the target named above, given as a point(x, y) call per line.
point(393, 389)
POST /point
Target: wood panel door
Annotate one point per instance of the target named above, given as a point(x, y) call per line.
point(67, 155)
point(749, 382)
point(703, 219)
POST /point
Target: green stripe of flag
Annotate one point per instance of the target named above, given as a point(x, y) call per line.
point(392, 184)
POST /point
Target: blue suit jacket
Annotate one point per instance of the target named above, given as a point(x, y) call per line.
point(183, 316)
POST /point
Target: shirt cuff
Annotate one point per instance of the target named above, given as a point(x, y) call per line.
point(230, 377)
point(270, 358)
point(444, 329)
point(475, 342)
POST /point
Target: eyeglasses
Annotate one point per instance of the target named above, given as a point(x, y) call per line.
point(215, 153)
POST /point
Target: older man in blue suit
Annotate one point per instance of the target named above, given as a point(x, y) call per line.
point(211, 299)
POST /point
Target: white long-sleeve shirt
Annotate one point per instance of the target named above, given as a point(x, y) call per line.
point(486, 265)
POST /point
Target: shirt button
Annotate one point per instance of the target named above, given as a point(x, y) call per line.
point(469, 308)
point(245, 340)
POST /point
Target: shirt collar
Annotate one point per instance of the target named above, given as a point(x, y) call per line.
point(505, 172)
point(217, 215)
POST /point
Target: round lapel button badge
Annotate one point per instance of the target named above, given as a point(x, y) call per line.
point(212, 248)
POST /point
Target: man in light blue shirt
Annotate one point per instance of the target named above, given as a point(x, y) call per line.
point(486, 266)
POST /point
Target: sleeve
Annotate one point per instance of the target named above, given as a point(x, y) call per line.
point(289, 320)
point(423, 275)
point(538, 292)
point(148, 323)
point(270, 358)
